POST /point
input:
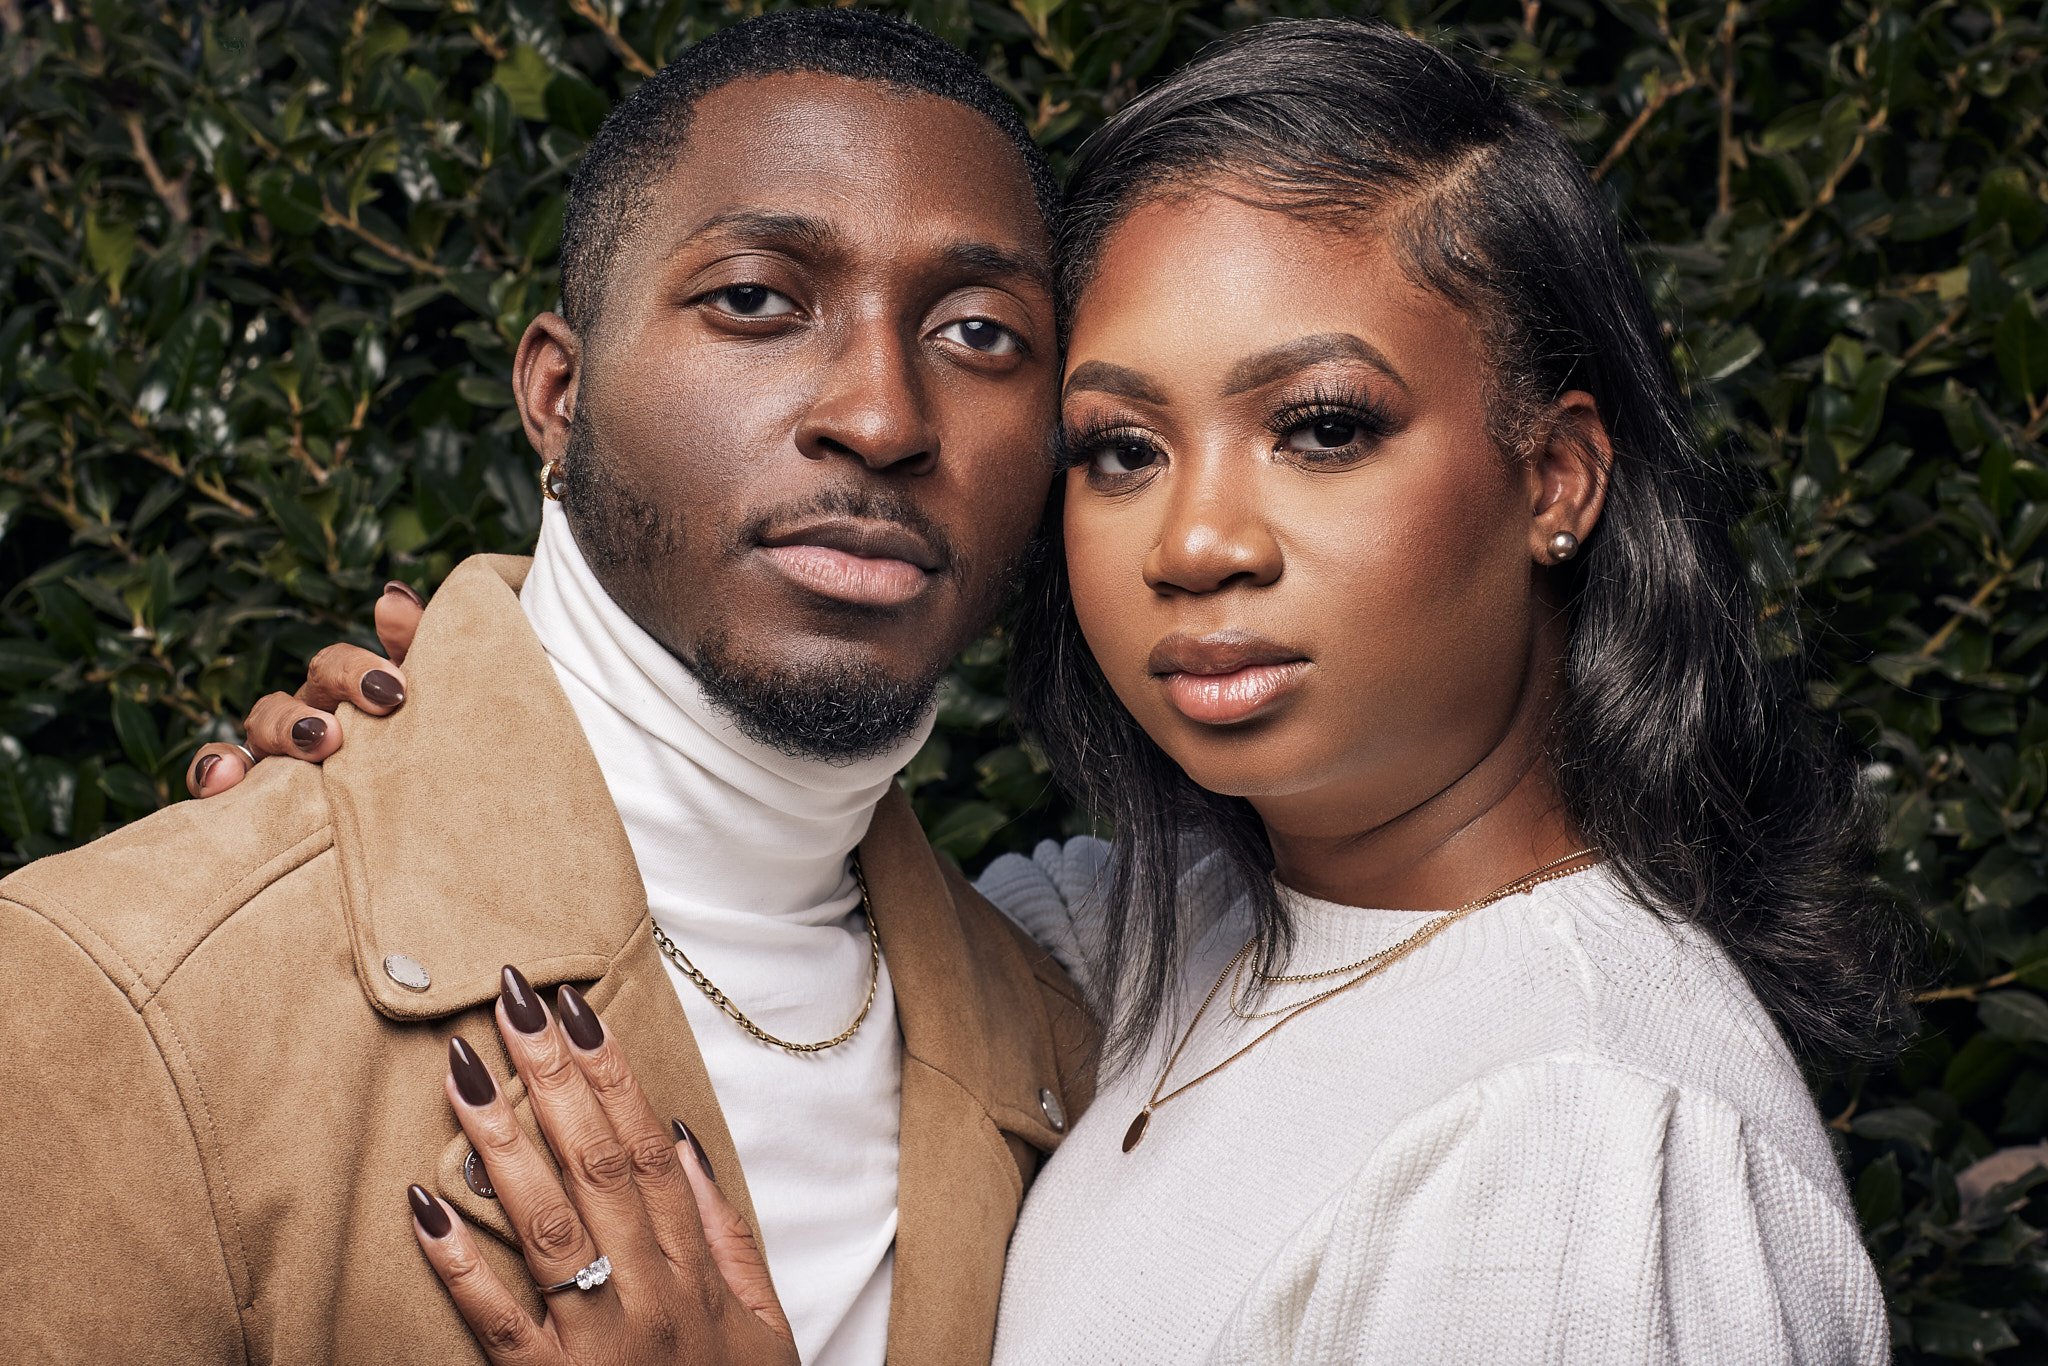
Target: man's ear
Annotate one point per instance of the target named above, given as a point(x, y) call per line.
point(545, 372)
point(1568, 477)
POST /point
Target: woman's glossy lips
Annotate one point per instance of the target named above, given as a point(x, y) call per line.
point(1228, 677)
point(1224, 699)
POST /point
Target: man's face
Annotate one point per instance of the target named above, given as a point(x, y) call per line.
point(805, 439)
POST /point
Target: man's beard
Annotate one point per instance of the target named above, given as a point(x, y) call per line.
point(829, 710)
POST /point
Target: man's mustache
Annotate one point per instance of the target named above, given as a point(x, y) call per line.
point(864, 504)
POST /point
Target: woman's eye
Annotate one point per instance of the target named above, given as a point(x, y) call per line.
point(1122, 457)
point(752, 301)
point(1323, 434)
point(979, 334)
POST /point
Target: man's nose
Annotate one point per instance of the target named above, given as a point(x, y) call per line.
point(1214, 535)
point(873, 404)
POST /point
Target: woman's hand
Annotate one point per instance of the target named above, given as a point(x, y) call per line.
point(302, 725)
point(687, 1281)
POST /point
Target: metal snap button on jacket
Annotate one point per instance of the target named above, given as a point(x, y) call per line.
point(407, 971)
point(476, 1178)
point(1054, 1115)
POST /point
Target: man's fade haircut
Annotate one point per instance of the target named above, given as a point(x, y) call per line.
point(645, 132)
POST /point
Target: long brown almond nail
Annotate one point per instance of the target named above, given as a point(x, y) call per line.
point(308, 733)
point(382, 689)
point(404, 590)
point(579, 1021)
point(428, 1211)
point(205, 770)
point(522, 1006)
point(472, 1079)
point(683, 1135)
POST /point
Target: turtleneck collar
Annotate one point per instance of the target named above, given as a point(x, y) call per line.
point(725, 829)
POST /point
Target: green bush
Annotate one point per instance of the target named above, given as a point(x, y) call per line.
point(261, 271)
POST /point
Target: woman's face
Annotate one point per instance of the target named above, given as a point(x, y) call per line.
point(1295, 548)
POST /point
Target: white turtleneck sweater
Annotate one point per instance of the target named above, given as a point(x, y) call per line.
point(743, 851)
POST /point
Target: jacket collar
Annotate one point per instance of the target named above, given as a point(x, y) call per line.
point(473, 826)
point(473, 829)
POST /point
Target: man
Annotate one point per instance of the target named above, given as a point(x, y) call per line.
point(794, 413)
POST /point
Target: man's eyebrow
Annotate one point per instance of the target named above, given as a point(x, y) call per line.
point(986, 259)
point(1105, 378)
point(1283, 360)
point(798, 232)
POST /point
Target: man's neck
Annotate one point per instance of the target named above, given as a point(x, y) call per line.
point(720, 823)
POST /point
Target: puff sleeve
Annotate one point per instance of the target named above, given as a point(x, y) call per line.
point(1569, 1211)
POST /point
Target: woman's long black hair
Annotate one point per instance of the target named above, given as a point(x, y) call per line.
point(1719, 796)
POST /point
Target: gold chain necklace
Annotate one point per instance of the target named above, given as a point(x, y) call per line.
point(737, 1016)
point(1370, 966)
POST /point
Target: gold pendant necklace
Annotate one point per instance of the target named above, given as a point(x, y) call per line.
point(1370, 966)
point(737, 1016)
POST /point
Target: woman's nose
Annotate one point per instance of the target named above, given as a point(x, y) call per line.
point(1215, 535)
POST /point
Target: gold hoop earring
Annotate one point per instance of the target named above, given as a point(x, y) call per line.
point(552, 481)
point(1563, 545)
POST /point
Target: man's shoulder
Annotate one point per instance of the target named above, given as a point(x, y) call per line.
point(987, 927)
point(137, 900)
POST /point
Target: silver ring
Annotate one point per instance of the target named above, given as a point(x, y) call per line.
point(247, 755)
point(589, 1278)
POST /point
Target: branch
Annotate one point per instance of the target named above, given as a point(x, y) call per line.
point(610, 29)
point(1664, 96)
point(334, 218)
point(1826, 195)
point(2004, 979)
point(1977, 601)
point(172, 192)
point(1934, 334)
point(1724, 175)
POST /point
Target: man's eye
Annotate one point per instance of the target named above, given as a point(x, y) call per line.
point(979, 334)
point(752, 301)
point(1122, 457)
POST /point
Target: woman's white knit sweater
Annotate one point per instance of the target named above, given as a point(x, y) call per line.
point(1562, 1131)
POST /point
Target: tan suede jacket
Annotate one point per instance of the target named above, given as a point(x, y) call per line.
point(216, 1082)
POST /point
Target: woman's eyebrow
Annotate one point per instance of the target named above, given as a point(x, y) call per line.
point(1105, 378)
point(1283, 360)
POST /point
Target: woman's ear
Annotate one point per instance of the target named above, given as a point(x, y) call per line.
point(545, 371)
point(1568, 478)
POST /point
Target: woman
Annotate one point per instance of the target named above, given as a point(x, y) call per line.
point(1475, 875)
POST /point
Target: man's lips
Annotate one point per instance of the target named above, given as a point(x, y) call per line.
point(867, 563)
point(1226, 677)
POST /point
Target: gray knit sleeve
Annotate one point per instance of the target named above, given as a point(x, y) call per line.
point(1056, 897)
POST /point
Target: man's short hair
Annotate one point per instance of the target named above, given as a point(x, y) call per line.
point(645, 132)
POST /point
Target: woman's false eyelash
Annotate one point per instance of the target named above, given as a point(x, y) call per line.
point(1078, 445)
point(1322, 404)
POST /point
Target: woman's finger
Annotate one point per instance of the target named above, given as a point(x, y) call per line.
point(349, 673)
point(398, 619)
point(734, 1250)
point(505, 1331)
point(282, 724)
point(596, 1166)
point(551, 1233)
point(216, 768)
point(646, 1137)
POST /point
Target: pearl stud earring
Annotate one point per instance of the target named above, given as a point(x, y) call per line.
point(1563, 546)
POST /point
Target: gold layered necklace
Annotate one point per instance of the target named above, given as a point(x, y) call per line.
point(1352, 974)
point(732, 1012)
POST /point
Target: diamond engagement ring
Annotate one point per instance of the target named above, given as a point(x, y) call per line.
point(589, 1278)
